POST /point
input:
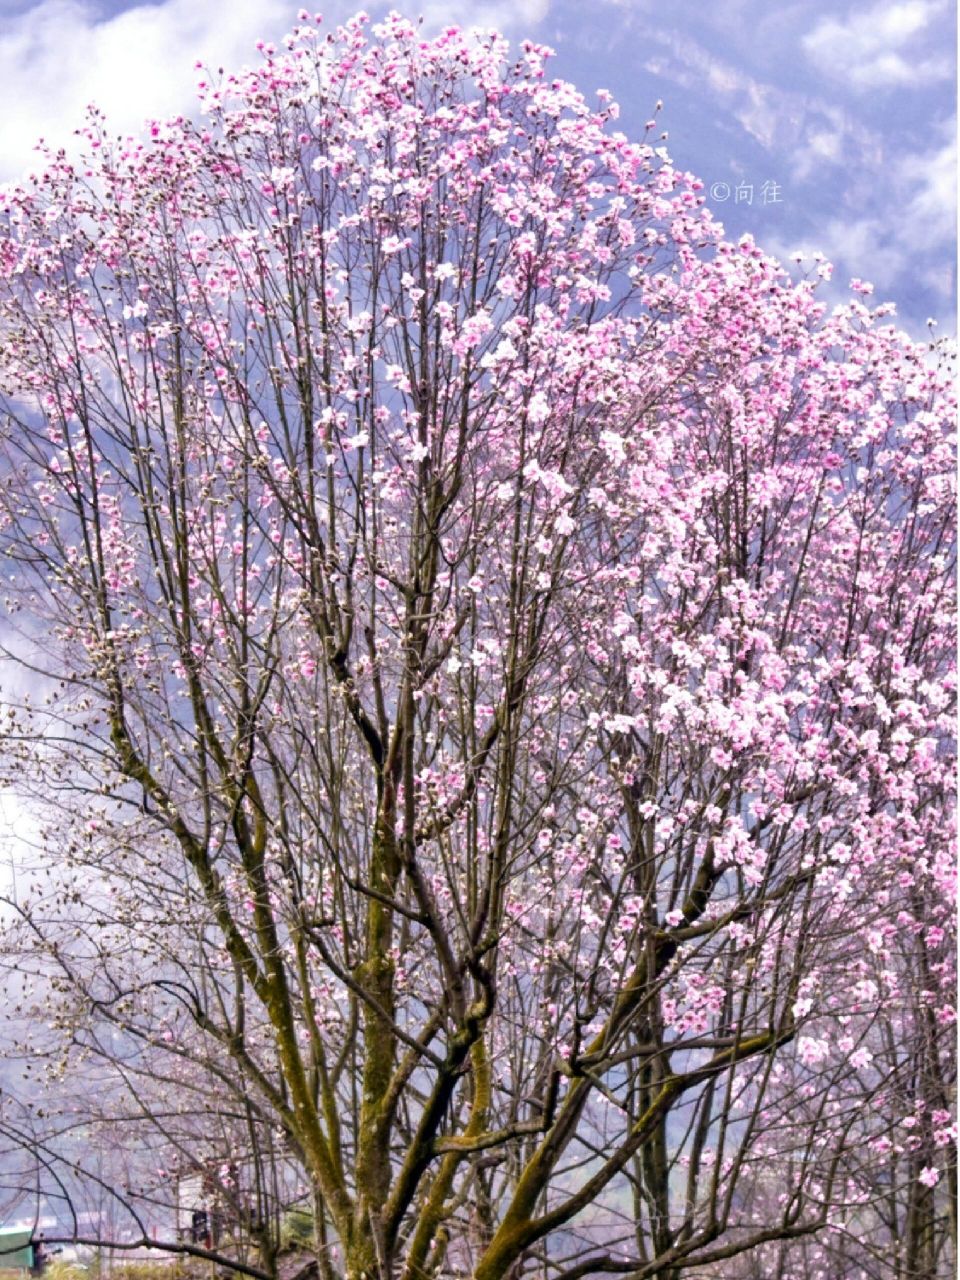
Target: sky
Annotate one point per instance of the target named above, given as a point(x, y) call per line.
point(816, 124)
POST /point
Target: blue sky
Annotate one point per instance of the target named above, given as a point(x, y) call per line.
point(817, 124)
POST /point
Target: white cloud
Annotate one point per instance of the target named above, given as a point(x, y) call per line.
point(931, 211)
point(765, 113)
point(825, 145)
point(19, 832)
point(833, 136)
point(868, 49)
point(900, 252)
point(58, 56)
point(506, 15)
point(797, 128)
point(856, 246)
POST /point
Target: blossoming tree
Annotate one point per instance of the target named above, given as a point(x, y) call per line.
point(514, 625)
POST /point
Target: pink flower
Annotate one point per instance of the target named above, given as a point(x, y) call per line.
point(929, 1176)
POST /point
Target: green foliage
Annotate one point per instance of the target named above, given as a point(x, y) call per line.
point(66, 1271)
point(296, 1230)
point(175, 1269)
